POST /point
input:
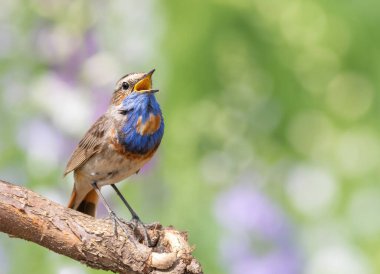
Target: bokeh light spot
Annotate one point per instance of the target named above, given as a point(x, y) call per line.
point(217, 168)
point(311, 133)
point(312, 191)
point(51, 94)
point(357, 152)
point(363, 212)
point(338, 259)
point(349, 96)
point(298, 18)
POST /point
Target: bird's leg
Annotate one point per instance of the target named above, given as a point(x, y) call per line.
point(133, 213)
point(135, 218)
point(111, 213)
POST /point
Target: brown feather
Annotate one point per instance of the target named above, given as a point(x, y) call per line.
point(89, 203)
point(89, 145)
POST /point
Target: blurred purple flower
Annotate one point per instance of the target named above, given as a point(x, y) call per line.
point(63, 51)
point(7, 39)
point(4, 266)
point(39, 138)
point(258, 238)
point(243, 209)
point(91, 42)
point(70, 69)
point(275, 263)
point(101, 100)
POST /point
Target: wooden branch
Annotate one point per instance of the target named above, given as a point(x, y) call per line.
point(29, 216)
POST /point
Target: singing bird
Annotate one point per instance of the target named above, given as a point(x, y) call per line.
point(119, 143)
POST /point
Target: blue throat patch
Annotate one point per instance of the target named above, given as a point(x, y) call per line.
point(140, 105)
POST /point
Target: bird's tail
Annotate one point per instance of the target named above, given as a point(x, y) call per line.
point(86, 204)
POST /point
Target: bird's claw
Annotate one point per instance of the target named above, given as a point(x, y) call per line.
point(136, 222)
point(117, 221)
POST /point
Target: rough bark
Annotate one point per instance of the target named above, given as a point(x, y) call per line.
point(29, 216)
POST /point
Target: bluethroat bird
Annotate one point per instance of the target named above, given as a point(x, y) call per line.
point(118, 145)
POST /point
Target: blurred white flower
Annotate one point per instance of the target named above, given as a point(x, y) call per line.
point(311, 190)
point(43, 146)
point(338, 259)
point(4, 261)
point(57, 44)
point(67, 106)
point(71, 270)
point(101, 69)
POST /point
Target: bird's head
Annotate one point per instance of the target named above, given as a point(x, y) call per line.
point(133, 85)
point(136, 114)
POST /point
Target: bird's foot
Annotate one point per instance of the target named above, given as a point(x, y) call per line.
point(118, 222)
point(137, 223)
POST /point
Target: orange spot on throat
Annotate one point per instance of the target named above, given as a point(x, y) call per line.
point(151, 125)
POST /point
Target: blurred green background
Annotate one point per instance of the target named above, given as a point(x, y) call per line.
point(271, 154)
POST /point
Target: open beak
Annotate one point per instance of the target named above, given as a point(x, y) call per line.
point(145, 84)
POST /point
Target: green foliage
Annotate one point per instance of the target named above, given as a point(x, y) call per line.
point(276, 99)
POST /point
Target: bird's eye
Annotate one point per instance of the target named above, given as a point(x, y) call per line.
point(125, 85)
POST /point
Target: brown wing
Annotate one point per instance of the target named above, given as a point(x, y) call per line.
point(89, 145)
